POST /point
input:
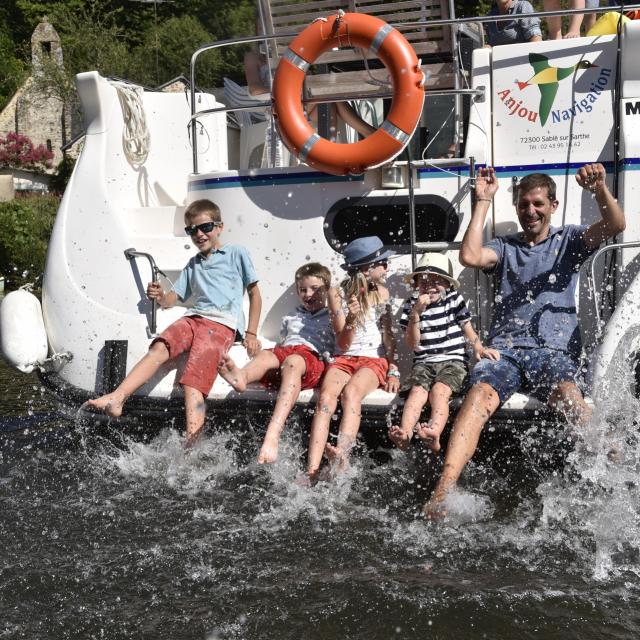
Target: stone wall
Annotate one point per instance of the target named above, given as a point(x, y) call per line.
point(43, 118)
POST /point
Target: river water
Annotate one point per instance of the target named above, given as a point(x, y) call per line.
point(113, 535)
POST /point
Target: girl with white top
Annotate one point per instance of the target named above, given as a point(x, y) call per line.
point(365, 350)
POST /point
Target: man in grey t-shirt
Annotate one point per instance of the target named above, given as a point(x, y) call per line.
point(535, 327)
point(511, 30)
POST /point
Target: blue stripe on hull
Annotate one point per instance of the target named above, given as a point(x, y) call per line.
point(551, 168)
point(424, 173)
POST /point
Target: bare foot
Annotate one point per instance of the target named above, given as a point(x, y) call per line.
point(429, 434)
point(110, 403)
point(192, 438)
point(400, 437)
point(268, 451)
point(615, 454)
point(338, 459)
point(435, 508)
point(309, 479)
point(571, 34)
point(230, 371)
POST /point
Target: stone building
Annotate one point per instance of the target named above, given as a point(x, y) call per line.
point(34, 111)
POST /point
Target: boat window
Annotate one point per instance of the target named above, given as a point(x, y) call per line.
point(388, 218)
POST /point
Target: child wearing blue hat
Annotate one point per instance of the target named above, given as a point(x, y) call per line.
point(365, 350)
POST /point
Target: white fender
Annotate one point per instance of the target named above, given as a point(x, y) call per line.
point(621, 339)
point(22, 334)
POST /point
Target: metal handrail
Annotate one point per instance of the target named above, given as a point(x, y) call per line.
point(130, 254)
point(592, 273)
point(438, 246)
point(334, 98)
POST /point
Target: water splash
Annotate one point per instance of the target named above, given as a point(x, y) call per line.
point(594, 507)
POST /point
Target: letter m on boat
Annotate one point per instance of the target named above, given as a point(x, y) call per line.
point(632, 108)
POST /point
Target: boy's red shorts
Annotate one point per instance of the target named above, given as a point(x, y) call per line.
point(206, 341)
point(351, 364)
point(314, 366)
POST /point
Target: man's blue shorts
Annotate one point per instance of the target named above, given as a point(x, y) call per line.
point(536, 371)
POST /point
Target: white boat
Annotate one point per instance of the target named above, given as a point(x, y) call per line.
point(96, 322)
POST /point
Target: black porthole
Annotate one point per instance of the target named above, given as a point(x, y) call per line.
point(388, 218)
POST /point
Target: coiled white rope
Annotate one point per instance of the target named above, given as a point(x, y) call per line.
point(136, 140)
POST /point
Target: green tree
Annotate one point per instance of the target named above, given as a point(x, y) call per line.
point(25, 228)
point(472, 9)
point(13, 69)
point(58, 181)
point(166, 53)
point(225, 20)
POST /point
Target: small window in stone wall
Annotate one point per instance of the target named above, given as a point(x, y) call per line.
point(388, 218)
point(49, 146)
point(46, 48)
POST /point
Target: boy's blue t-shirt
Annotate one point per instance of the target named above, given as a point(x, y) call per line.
point(535, 303)
point(214, 286)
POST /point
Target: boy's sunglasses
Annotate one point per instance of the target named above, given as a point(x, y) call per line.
point(205, 227)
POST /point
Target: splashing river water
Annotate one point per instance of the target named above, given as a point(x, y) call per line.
point(110, 536)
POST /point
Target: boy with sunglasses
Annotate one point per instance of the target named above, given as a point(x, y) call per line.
point(214, 282)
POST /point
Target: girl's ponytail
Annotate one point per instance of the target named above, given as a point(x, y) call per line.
point(356, 284)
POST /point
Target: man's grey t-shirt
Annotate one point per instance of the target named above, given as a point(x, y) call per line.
point(535, 302)
point(510, 31)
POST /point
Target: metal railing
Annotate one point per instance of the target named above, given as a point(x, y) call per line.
point(340, 98)
point(131, 254)
point(591, 276)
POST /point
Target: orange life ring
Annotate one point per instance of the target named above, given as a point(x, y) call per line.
point(398, 56)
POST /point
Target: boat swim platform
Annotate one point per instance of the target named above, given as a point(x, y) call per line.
point(377, 409)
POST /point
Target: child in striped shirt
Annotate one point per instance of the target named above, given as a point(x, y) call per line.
point(437, 327)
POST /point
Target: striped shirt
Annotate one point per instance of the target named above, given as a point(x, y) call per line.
point(441, 325)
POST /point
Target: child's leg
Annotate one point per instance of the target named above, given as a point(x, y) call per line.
point(111, 403)
point(363, 382)
point(575, 19)
point(567, 399)
point(439, 397)
point(292, 370)
point(210, 343)
point(479, 405)
point(401, 436)
point(254, 370)
point(333, 383)
point(195, 410)
point(554, 23)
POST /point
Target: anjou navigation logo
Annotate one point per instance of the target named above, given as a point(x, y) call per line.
point(548, 79)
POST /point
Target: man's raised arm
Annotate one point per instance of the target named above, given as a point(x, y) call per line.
point(592, 178)
point(472, 253)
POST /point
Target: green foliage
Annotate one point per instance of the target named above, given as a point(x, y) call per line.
point(58, 181)
point(25, 228)
point(13, 69)
point(166, 53)
point(141, 41)
point(472, 9)
point(146, 42)
point(90, 40)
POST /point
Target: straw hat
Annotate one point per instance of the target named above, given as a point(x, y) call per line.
point(434, 263)
point(363, 251)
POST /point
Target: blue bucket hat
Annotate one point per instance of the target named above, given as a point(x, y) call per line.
point(363, 251)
